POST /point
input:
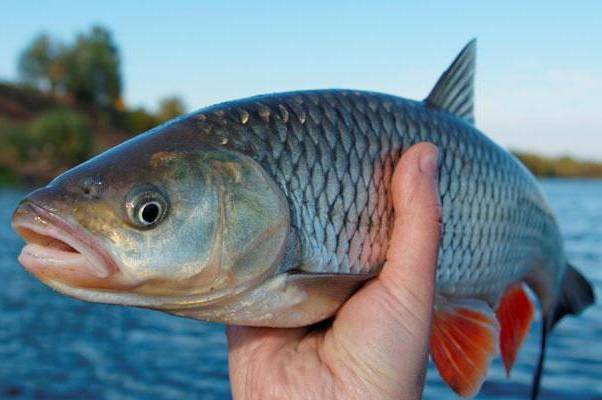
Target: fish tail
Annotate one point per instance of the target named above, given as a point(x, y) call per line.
point(576, 294)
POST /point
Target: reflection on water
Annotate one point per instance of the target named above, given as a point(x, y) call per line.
point(55, 347)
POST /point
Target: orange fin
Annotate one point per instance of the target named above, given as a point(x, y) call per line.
point(463, 341)
point(514, 313)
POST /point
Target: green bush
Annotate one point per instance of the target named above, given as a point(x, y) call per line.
point(92, 68)
point(169, 108)
point(15, 141)
point(63, 136)
point(559, 167)
point(139, 120)
point(89, 70)
point(8, 177)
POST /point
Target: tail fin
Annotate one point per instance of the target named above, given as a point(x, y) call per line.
point(576, 294)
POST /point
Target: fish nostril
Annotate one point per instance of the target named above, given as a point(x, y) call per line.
point(91, 187)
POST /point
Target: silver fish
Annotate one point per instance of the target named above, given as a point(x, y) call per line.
point(272, 210)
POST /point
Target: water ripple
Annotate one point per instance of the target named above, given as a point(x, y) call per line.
point(53, 347)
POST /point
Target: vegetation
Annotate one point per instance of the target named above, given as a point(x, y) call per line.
point(560, 167)
point(51, 142)
point(62, 136)
point(170, 108)
point(140, 120)
point(40, 63)
point(91, 67)
point(87, 70)
point(67, 107)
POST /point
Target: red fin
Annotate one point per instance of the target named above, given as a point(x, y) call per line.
point(463, 341)
point(514, 313)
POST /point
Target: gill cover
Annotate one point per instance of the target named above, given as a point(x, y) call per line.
point(226, 228)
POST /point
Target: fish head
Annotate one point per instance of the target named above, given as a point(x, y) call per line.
point(165, 220)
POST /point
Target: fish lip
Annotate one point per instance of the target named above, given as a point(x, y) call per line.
point(41, 221)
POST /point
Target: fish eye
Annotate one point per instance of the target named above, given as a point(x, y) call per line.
point(146, 207)
point(149, 213)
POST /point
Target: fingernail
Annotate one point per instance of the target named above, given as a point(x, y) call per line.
point(429, 162)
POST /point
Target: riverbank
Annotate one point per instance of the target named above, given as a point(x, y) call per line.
point(42, 135)
point(560, 167)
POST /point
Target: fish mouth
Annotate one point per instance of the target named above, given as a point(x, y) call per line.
point(58, 250)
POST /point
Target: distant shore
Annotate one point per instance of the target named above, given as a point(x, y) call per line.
point(560, 167)
point(68, 106)
point(42, 135)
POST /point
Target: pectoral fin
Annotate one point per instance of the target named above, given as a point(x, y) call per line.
point(463, 340)
point(320, 296)
point(287, 300)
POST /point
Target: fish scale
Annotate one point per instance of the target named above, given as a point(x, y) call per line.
point(337, 182)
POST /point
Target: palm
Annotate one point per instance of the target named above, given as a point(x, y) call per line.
point(376, 346)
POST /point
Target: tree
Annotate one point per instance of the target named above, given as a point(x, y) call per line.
point(139, 120)
point(88, 70)
point(169, 108)
point(93, 69)
point(40, 64)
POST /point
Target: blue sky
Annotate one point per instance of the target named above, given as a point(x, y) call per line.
point(539, 78)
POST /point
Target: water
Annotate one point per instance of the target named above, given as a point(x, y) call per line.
point(53, 347)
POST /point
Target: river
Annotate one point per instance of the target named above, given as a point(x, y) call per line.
point(54, 347)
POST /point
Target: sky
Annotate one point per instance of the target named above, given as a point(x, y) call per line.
point(539, 63)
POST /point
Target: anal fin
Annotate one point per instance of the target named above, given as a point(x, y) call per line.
point(463, 340)
point(514, 313)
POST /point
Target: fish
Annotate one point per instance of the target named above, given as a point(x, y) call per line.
point(273, 210)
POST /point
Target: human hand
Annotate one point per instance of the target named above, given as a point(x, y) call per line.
point(377, 345)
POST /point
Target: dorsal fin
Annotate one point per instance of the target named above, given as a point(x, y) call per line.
point(454, 91)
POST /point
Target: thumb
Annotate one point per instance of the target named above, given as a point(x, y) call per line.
point(409, 272)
